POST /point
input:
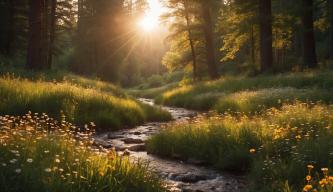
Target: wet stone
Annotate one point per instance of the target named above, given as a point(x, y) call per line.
point(137, 148)
point(132, 141)
point(188, 178)
point(137, 133)
point(110, 136)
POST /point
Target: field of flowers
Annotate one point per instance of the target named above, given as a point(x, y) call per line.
point(38, 153)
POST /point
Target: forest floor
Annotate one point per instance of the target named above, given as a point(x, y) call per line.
point(273, 128)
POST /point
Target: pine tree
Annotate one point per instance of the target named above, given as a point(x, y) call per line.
point(266, 50)
point(309, 44)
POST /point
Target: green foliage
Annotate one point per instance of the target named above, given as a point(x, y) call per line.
point(273, 147)
point(41, 154)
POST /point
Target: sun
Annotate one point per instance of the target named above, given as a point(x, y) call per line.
point(148, 23)
point(151, 19)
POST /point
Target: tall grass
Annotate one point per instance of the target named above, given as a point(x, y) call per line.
point(273, 147)
point(41, 154)
point(81, 105)
point(235, 91)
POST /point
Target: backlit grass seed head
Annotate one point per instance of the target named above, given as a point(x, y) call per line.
point(29, 160)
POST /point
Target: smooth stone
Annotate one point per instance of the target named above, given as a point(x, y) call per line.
point(188, 178)
point(132, 141)
point(110, 136)
point(137, 148)
point(137, 133)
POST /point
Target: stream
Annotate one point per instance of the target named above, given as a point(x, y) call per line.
point(189, 176)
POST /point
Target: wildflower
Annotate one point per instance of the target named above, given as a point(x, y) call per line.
point(330, 179)
point(18, 170)
point(57, 160)
point(323, 182)
point(47, 151)
point(307, 188)
point(252, 150)
point(61, 170)
point(47, 170)
point(308, 177)
point(298, 137)
point(4, 164)
point(29, 160)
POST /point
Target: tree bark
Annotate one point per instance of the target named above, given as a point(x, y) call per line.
point(253, 47)
point(330, 15)
point(309, 45)
point(190, 38)
point(11, 28)
point(209, 37)
point(52, 32)
point(35, 47)
point(266, 50)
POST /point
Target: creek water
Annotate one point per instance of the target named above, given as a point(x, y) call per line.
point(180, 176)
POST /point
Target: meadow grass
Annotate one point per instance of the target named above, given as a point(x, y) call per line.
point(274, 147)
point(91, 101)
point(255, 93)
point(38, 153)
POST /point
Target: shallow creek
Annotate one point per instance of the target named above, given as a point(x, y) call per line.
point(180, 176)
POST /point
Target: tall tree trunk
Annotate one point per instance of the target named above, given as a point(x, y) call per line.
point(52, 32)
point(190, 38)
point(46, 33)
point(266, 50)
point(330, 15)
point(253, 47)
point(11, 28)
point(309, 45)
point(209, 37)
point(35, 58)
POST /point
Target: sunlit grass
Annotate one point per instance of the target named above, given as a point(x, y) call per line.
point(273, 147)
point(38, 153)
point(241, 92)
point(98, 103)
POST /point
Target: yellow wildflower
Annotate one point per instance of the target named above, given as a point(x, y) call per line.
point(307, 188)
point(308, 177)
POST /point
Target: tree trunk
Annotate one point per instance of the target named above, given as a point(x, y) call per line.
point(253, 47)
point(52, 32)
point(330, 15)
point(309, 45)
point(11, 28)
point(35, 58)
point(266, 50)
point(209, 37)
point(190, 38)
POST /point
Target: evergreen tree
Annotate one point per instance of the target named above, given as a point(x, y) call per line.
point(309, 44)
point(266, 52)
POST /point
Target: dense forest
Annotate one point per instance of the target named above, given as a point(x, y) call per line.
point(166, 95)
point(206, 37)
